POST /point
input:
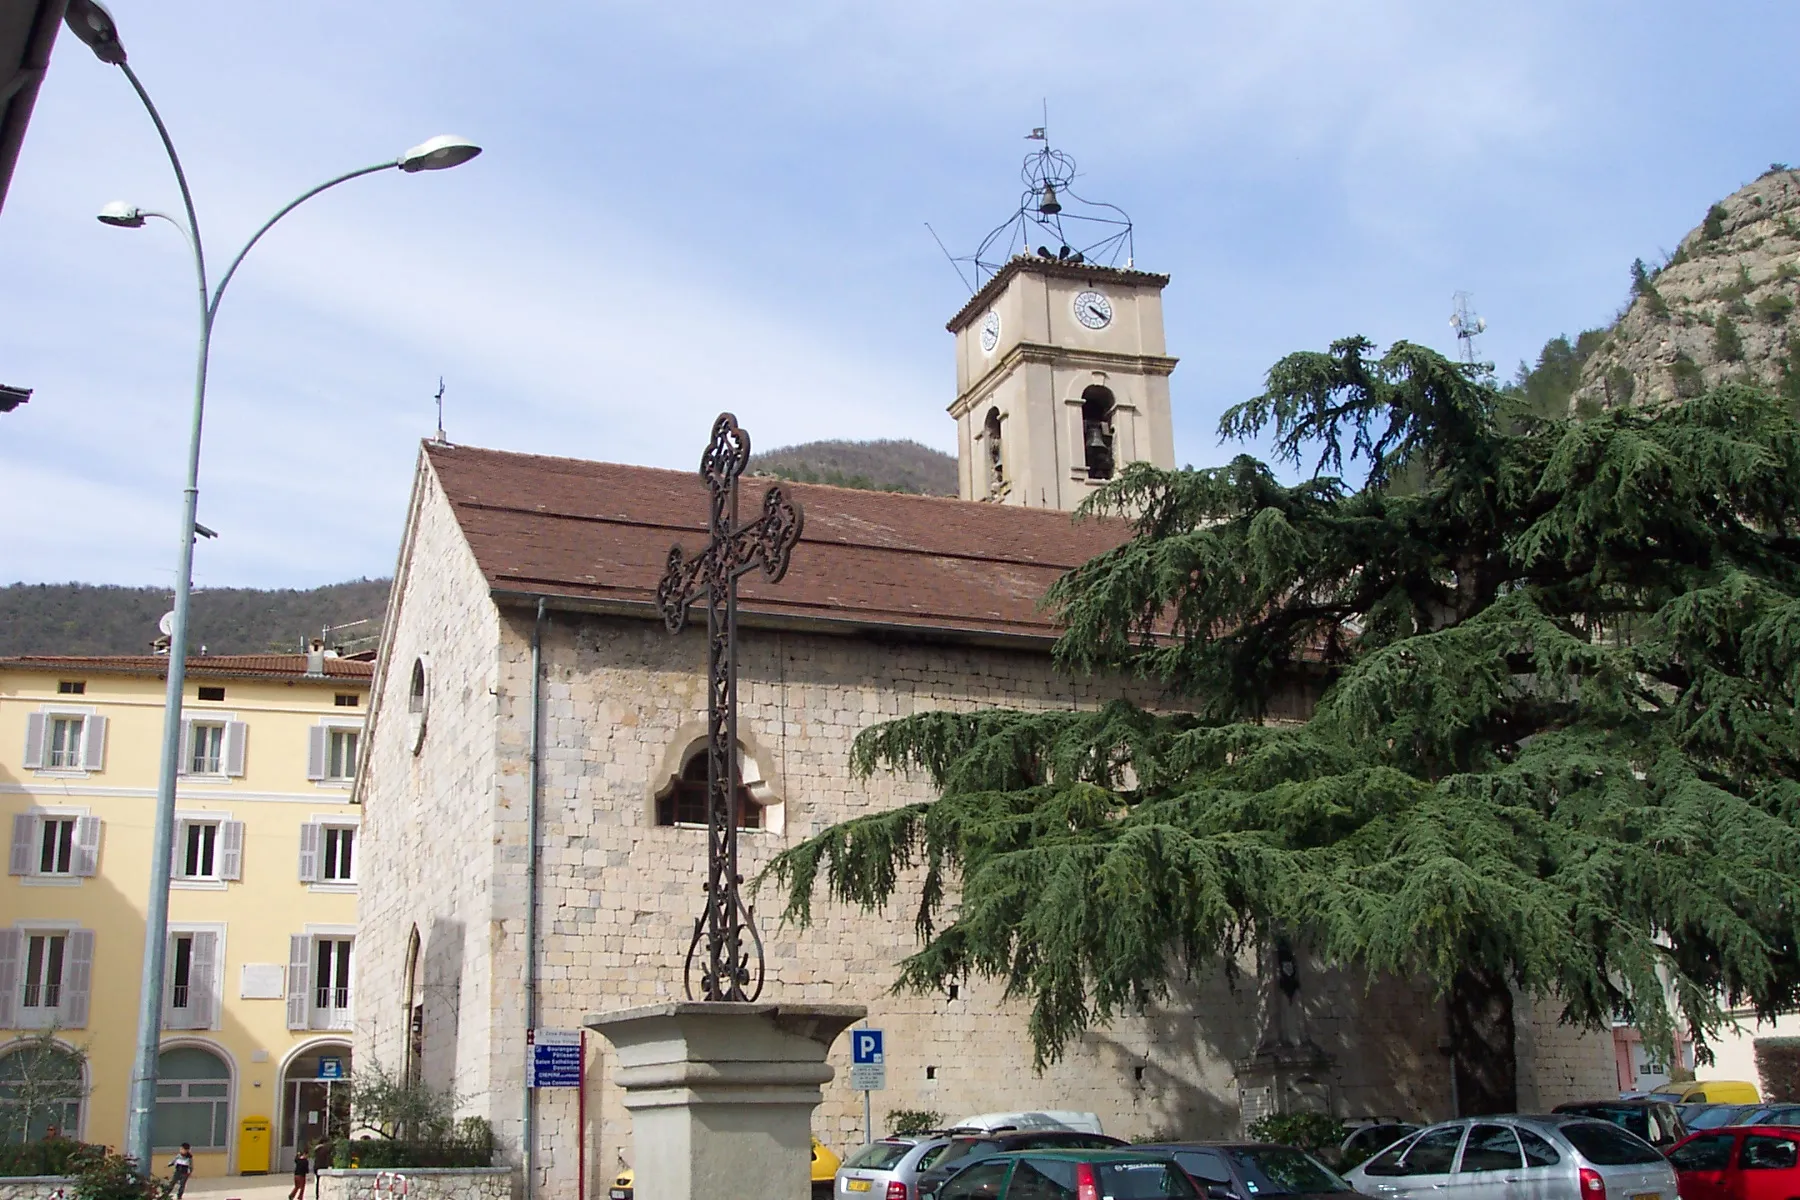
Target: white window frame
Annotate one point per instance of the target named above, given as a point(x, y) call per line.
point(90, 752)
point(319, 747)
point(228, 852)
point(304, 1010)
point(84, 849)
point(74, 982)
point(213, 981)
point(232, 742)
point(315, 837)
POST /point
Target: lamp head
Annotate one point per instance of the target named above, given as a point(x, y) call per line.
point(121, 214)
point(439, 154)
point(89, 21)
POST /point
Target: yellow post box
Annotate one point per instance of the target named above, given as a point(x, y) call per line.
point(253, 1146)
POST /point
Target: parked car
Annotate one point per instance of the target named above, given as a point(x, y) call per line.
point(1712, 1116)
point(1366, 1141)
point(1656, 1121)
point(1052, 1118)
point(1771, 1114)
point(969, 1148)
point(888, 1169)
point(1518, 1158)
point(1752, 1162)
point(1712, 1091)
point(1128, 1174)
point(1253, 1170)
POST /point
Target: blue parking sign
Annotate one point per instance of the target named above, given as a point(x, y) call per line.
point(866, 1047)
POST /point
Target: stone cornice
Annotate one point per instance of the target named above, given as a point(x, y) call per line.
point(1053, 269)
point(1038, 352)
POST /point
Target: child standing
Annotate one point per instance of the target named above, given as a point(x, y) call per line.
point(301, 1167)
point(183, 1162)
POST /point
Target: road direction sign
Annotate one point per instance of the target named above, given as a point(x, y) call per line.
point(868, 1060)
point(555, 1057)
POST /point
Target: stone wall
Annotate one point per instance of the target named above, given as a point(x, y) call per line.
point(1560, 1063)
point(420, 1183)
point(446, 848)
point(37, 1187)
point(427, 848)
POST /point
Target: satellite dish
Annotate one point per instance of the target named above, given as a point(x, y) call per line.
point(166, 626)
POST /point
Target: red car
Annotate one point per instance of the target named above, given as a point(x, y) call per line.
point(1739, 1162)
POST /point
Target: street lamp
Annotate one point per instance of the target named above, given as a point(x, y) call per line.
point(90, 22)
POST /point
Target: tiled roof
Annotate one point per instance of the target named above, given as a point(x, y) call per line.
point(1091, 273)
point(599, 533)
point(211, 666)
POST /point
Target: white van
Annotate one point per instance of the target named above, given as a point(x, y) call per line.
point(1057, 1118)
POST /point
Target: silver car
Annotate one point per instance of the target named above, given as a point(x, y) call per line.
point(1518, 1158)
point(888, 1169)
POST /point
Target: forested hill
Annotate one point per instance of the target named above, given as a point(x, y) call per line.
point(79, 618)
point(883, 466)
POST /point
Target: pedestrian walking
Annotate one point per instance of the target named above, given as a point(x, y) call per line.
point(301, 1167)
point(183, 1163)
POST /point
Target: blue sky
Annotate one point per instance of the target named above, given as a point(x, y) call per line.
point(688, 207)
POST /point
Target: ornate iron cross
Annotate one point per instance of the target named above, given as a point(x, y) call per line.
point(732, 550)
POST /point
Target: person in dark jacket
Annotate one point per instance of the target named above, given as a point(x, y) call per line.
point(301, 1168)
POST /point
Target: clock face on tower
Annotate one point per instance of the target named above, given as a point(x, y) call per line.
point(1093, 310)
point(990, 332)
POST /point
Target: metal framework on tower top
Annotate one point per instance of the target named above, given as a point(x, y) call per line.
point(1053, 221)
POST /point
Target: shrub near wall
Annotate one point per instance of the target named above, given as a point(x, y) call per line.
point(1778, 1067)
point(50, 1156)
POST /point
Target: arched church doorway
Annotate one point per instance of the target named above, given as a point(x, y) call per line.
point(315, 1096)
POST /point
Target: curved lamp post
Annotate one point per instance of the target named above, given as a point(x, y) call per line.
point(90, 22)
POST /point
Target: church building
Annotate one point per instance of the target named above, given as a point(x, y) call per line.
point(505, 890)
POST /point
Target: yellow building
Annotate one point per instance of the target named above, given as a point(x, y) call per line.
point(262, 912)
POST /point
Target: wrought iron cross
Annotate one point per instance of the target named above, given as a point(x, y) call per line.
point(732, 550)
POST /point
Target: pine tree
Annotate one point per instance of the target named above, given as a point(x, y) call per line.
point(1728, 344)
point(1555, 748)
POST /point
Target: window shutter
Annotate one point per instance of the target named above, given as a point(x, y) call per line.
point(12, 942)
point(87, 846)
point(231, 850)
point(78, 981)
point(35, 724)
point(178, 852)
point(315, 751)
point(203, 984)
point(186, 765)
point(23, 844)
point(236, 733)
point(93, 744)
point(309, 852)
point(298, 981)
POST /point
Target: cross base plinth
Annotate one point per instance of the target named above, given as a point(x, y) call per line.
point(721, 1095)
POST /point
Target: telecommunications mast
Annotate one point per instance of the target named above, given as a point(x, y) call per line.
point(1466, 324)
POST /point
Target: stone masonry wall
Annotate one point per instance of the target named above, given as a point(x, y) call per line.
point(420, 1183)
point(427, 848)
point(619, 896)
point(36, 1187)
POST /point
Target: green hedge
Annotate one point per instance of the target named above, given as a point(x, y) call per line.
point(51, 1156)
point(387, 1154)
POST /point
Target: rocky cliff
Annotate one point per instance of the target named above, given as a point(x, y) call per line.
point(1721, 309)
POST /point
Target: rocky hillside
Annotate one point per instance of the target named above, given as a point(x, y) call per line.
point(883, 466)
point(81, 618)
point(1722, 308)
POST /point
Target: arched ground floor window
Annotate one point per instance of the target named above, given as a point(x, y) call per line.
point(41, 1092)
point(193, 1100)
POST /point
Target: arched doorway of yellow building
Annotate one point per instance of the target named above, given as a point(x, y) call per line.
point(315, 1098)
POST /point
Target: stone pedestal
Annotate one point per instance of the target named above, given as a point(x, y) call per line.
point(721, 1095)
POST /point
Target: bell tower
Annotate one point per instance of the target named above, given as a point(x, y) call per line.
point(1062, 374)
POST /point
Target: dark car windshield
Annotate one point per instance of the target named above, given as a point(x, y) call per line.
point(1608, 1145)
point(879, 1156)
point(1282, 1171)
point(1157, 1180)
point(1625, 1116)
point(1712, 1118)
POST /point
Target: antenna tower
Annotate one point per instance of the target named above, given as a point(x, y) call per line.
point(1466, 324)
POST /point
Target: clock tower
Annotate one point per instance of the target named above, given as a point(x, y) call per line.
point(1062, 378)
